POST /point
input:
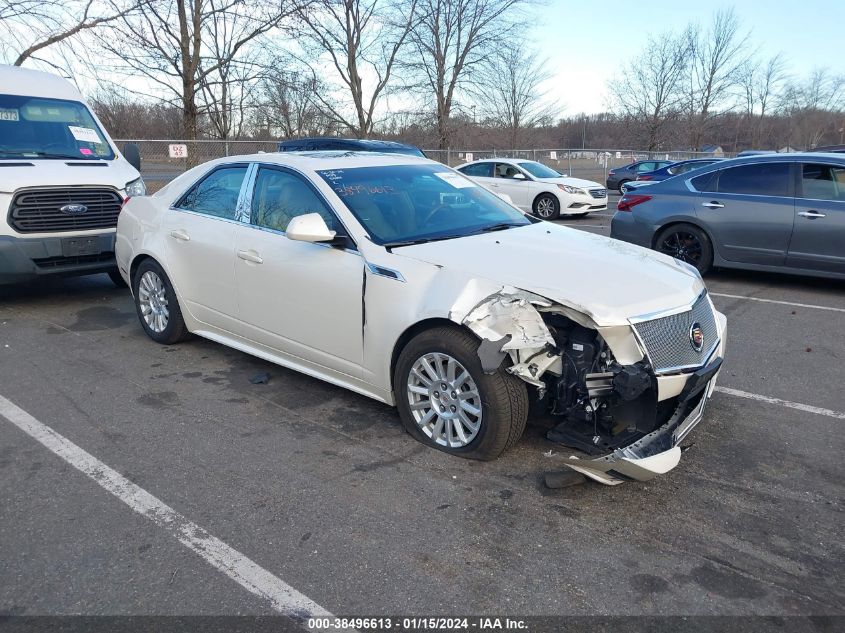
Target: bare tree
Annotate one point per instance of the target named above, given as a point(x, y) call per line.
point(650, 91)
point(512, 92)
point(717, 55)
point(359, 41)
point(289, 103)
point(814, 107)
point(761, 88)
point(452, 39)
point(168, 44)
point(33, 25)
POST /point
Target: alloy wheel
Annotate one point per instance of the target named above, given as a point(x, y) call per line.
point(684, 246)
point(444, 400)
point(152, 299)
point(545, 207)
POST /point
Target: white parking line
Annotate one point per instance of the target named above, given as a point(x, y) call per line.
point(248, 574)
point(784, 403)
point(785, 303)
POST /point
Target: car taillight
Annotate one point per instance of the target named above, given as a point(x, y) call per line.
point(611, 173)
point(630, 200)
point(644, 177)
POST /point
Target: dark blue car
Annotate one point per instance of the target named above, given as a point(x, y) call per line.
point(681, 167)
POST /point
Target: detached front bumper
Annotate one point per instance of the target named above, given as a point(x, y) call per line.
point(659, 451)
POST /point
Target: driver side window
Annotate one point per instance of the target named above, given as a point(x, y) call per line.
point(504, 170)
point(279, 196)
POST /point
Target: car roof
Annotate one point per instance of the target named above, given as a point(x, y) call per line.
point(327, 159)
point(361, 142)
point(33, 83)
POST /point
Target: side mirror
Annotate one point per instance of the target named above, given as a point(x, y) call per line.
point(310, 227)
point(519, 176)
point(132, 154)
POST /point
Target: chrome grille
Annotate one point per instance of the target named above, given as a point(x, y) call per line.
point(39, 210)
point(667, 339)
point(598, 193)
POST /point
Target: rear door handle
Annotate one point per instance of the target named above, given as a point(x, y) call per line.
point(713, 205)
point(812, 215)
point(180, 235)
point(250, 256)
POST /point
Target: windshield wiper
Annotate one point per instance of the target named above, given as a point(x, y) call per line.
point(501, 226)
point(421, 240)
point(37, 153)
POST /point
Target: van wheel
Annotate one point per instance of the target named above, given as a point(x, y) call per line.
point(156, 304)
point(446, 401)
point(116, 278)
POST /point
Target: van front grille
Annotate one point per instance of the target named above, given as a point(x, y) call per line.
point(40, 210)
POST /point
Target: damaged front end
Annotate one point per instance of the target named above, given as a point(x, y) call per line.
point(601, 382)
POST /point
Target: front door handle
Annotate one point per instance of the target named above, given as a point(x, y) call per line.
point(180, 235)
point(713, 205)
point(812, 215)
point(250, 256)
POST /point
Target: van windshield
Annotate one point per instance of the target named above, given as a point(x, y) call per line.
point(34, 127)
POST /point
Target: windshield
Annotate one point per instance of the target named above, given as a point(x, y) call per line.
point(413, 203)
point(32, 127)
point(539, 170)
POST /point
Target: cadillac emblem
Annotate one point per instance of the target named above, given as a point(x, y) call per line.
point(696, 337)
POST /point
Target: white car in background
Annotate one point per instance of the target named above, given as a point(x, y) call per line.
point(397, 278)
point(537, 189)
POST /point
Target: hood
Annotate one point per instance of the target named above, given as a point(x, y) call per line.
point(608, 280)
point(57, 173)
point(573, 182)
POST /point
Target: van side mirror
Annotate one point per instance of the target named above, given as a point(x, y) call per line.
point(132, 154)
point(310, 227)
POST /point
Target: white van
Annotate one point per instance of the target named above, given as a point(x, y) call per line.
point(62, 180)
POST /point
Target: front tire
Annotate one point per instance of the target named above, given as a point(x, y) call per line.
point(157, 305)
point(476, 415)
point(688, 243)
point(547, 207)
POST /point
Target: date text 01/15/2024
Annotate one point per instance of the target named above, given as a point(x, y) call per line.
point(417, 624)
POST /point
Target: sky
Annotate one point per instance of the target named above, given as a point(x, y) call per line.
point(587, 41)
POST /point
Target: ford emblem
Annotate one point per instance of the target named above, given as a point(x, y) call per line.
point(74, 209)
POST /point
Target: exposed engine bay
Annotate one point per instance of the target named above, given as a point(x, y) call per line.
point(607, 397)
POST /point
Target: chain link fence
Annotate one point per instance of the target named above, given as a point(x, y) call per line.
point(160, 165)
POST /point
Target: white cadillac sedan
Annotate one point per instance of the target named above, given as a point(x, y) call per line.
point(537, 189)
point(402, 280)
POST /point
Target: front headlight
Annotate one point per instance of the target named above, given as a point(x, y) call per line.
point(136, 188)
point(575, 190)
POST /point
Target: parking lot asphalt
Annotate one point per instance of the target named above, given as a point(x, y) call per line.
point(322, 488)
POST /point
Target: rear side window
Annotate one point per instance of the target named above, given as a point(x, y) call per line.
point(644, 167)
point(823, 182)
point(479, 170)
point(759, 179)
point(216, 194)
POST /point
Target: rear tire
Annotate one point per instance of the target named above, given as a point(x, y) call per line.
point(431, 418)
point(622, 182)
point(157, 305)
point(687, 243)
point(547, 207)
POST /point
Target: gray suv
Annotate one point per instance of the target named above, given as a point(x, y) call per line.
point(776, 212)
